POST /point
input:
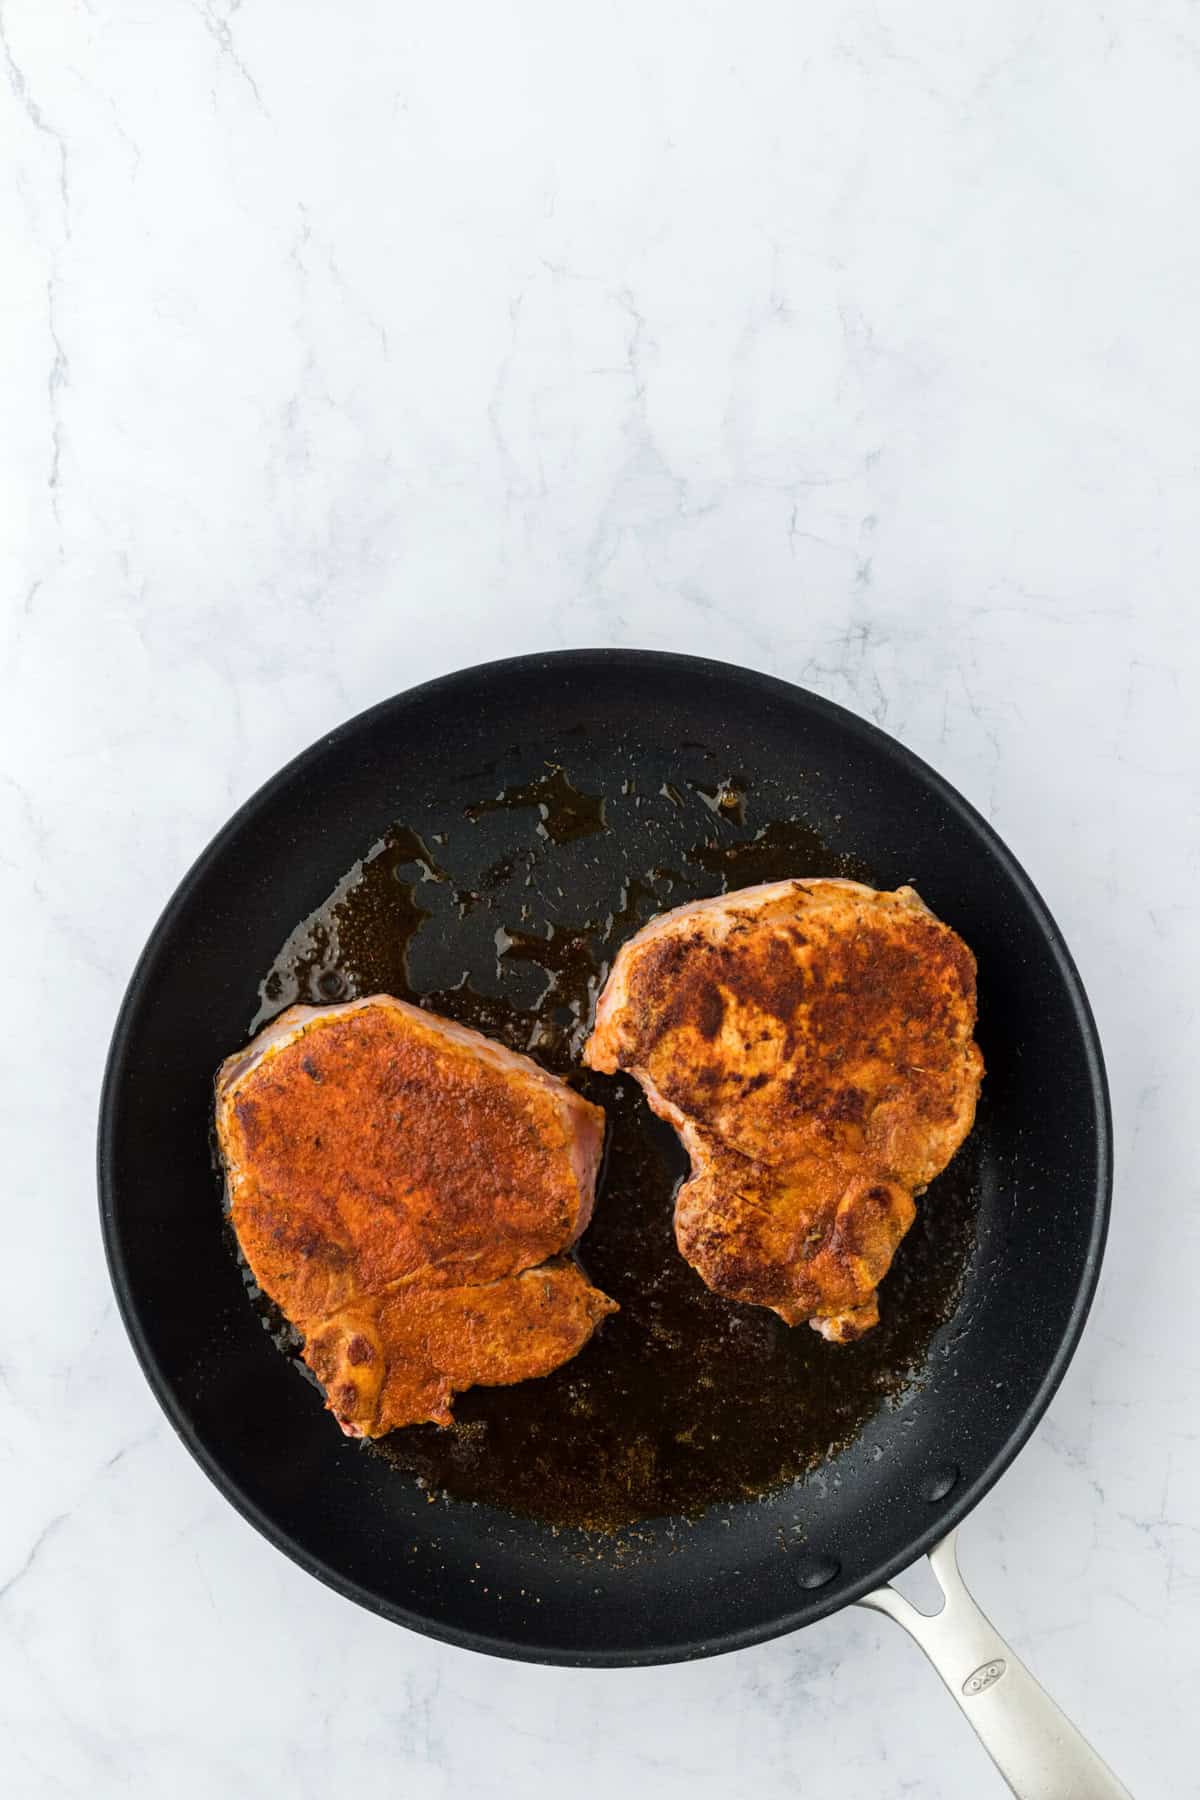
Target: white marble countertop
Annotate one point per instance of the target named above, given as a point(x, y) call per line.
point(344, 345)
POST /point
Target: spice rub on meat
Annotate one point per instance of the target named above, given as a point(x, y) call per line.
point(403, 1189)
point(811, 1042)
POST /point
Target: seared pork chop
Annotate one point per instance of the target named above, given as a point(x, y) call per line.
point(811, 1042)
point(397, 1184)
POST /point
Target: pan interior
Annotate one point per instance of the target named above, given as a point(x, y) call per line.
point(545, 809)
point(504, 912)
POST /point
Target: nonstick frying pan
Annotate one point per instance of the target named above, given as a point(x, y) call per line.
point(742, 1572)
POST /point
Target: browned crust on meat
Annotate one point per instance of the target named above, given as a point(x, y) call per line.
point(841, 1017)
point(375, 1162)
point(809, 1244)
point(425, 1343)
point(814, 1043)
point(369, 1155)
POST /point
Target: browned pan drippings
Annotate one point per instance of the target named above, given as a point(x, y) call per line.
point(683, 1399)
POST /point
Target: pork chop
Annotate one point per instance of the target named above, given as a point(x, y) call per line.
point(402, 1188)
point(811, 1042)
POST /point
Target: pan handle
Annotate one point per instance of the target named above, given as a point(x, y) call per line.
point(1035, 1747)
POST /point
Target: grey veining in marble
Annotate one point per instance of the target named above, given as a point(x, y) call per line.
point(341, 345)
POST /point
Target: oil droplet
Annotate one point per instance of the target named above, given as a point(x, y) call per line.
point(573, 979)
point(565, 812)
point(783, 848)
point(726, 800)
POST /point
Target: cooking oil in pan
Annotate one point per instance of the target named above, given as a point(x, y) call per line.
point(683, 1399)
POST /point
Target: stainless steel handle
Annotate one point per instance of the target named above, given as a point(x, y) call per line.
point(1035, 1747)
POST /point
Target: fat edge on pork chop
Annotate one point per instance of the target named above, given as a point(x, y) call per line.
point(811, 1042)
point(403, 1189)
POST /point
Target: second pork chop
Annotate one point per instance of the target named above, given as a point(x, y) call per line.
point(811, 1042)
point(397, 1184)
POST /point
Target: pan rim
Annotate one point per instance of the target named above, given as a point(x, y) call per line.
point(948, 1516)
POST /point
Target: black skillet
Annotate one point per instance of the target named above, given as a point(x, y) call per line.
point(664, 732)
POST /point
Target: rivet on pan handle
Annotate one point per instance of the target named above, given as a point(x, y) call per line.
point(1035, 1747)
